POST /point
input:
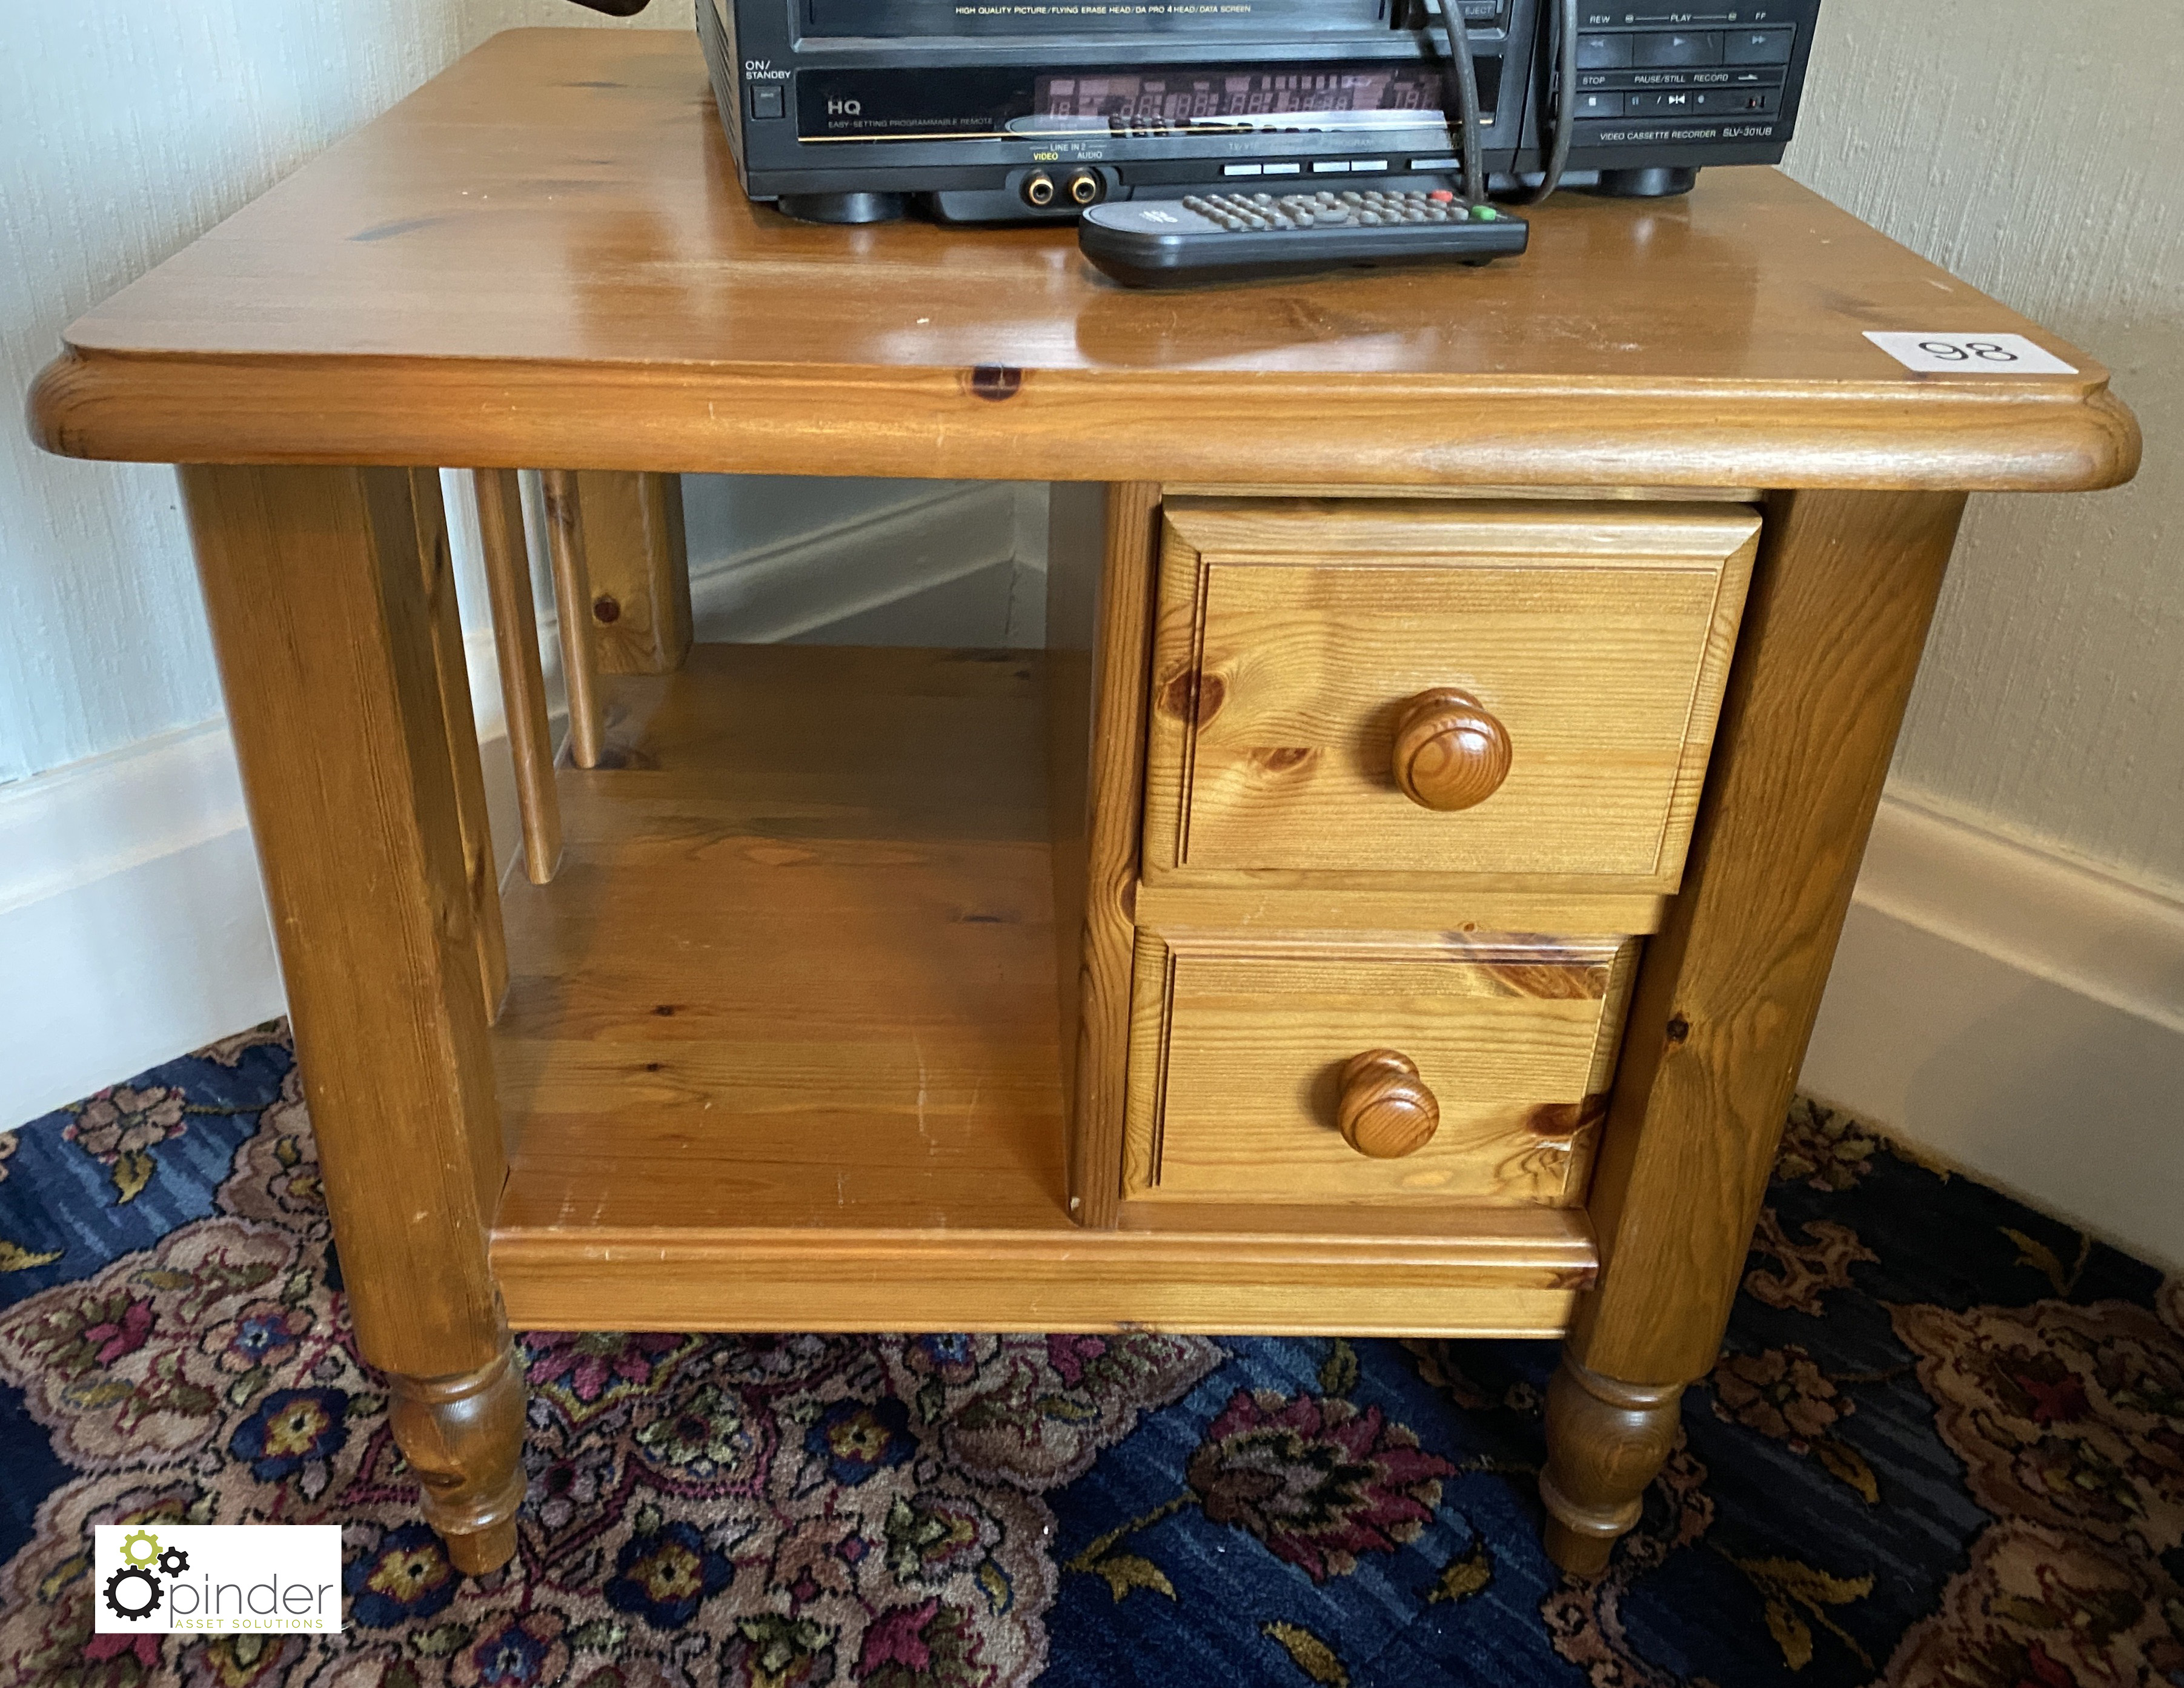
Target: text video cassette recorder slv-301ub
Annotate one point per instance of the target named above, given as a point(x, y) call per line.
point(982, 111)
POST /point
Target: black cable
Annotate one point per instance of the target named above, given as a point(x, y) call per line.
point(1463, 83)
point(1565, 98)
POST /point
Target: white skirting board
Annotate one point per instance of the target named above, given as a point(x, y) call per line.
point(132, 926)
point(859, 580)
point(2020, 1015)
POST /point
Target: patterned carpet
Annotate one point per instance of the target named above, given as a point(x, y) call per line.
point(1945, 1445)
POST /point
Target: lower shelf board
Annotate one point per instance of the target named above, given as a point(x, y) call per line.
point(781, 1047)
point(1521, 1279)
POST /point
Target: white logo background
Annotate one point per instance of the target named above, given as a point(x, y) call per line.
point(156, 1579)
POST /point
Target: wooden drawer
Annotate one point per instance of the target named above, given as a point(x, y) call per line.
point(1238, 1049)
point(1294, 639)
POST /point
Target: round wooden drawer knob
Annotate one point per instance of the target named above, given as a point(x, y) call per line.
point(1451, 753)
point(1386, 1110)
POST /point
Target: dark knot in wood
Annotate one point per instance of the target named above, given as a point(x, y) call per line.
point(1193, 697)
point(996, 381)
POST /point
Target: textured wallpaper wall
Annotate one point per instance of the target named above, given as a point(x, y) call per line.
point(127, 132)
point(2038, 153)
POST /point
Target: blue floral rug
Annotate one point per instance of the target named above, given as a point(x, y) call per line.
point(1944, 1446)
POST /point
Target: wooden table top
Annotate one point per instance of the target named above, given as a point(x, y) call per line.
point(542, 258)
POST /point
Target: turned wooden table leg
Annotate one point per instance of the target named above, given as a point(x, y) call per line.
point(1841, 598)
point(323, 623)
point(1610, 1441)
point(464, 1436)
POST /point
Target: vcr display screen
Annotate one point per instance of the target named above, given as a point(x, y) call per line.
point(940, 18)
point(1021, 104)
point(1183, 98)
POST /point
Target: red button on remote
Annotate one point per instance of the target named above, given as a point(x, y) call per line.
point(1441, 196)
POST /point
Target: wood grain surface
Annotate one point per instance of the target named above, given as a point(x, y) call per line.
point(1238, 1047)
point(1451, 752)
point(1725, 1000)
point(1294, 636)
point(522, 675)
point(1603, 493)
point(957, 1278)
point(782, 1042)
point(1273, 902)
point(638, 565)
point(797, 967)
point(1607, 1441)
point(323, 629)
point(481, 861)
point(542, 258)
point(1727, 993)
point(1076, 558)
point(1384, 1107)
point(463, 1436)
point(573, 620)
point(1114, 821)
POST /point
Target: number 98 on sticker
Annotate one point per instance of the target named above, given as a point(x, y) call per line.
point(1971, 354)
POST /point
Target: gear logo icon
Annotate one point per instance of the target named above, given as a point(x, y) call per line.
point(174, 1562)
point(132, 1592)
point(139, 1548)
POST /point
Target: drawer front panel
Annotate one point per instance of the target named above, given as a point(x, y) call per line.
point(1298, 645)
point(1238, 1050)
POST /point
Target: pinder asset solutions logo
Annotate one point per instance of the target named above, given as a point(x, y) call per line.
point(162, 1580)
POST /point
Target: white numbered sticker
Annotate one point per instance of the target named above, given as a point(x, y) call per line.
point(1969, 354)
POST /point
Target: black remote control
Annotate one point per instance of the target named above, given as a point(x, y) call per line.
point(1229, 236)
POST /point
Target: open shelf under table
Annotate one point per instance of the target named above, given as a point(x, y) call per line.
point(782, 1047)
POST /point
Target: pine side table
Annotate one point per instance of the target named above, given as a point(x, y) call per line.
point(1397, 901)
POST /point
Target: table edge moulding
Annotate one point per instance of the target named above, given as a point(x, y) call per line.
point(843, 990)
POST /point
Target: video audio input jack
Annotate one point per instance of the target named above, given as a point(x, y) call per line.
point(1039, 189)
point(1086, 188)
